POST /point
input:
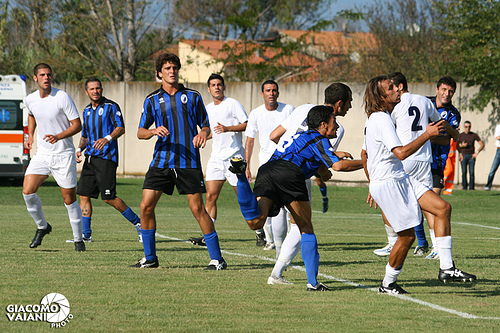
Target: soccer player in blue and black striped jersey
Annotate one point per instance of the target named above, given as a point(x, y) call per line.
point(282, 182)
point(176, 112)
point(102, 126)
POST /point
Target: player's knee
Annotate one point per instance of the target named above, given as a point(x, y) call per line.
point(257, 223)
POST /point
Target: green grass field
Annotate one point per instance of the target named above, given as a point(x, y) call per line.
point(105, 295)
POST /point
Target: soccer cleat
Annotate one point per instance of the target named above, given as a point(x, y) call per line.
point(393, 288)
point(384, 252)
point(139, 232)
point(40, 233)
point(319, 287)
point(80, 246)
point(454, 274)
point(216, 265)
point(198, 241)
point(269, 247)
point(261, 239)
point(238, 165)
point(325, 205)
point(433, 255)
point(420, 251)
point(486, 188)
point(144, 263)
point(277, 280)
point(85, 239)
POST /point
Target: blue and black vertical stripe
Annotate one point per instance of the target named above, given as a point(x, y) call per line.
point(99, 122)
point(181, 113)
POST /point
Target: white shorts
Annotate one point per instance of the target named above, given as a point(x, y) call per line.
point(61, 166)
point(398, 199)
point(420, 171)
point(218, 169)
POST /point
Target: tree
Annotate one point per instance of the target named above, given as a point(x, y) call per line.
point(109, 34)
point(407, 39)
point(222, 19)
point(473, 27)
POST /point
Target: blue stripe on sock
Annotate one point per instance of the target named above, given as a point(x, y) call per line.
point(131, 216)
point(323, 191)
point(149, 243)
point(310, 256)
point(420, 233)
point(86, 230)
point(212, 241)
point(248, 202)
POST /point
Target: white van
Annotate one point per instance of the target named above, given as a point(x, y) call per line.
point(14, 158)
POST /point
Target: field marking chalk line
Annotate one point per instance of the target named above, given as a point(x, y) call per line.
point(350, 283)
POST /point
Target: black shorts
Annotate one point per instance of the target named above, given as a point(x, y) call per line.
point(282, 182)
point(98, 176)
point(437, 178)
point(187, 181)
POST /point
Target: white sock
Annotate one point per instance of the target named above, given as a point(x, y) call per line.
point(391, 275)
point(213, 220)
point(279, 230)
point(289, 249)
point(268, 230)
point(392, 236)
point(433, 239)
point(444, 245)
point(75, 219)
point(34, 207)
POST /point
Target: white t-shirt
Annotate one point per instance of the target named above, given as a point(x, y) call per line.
point(52, 114)
point(380, 139)
point(412, 116)
point(497, 133)
point(229, 112)
point(297, 122)
point(263, 121)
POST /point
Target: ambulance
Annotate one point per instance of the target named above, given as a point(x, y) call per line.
point(14, 158)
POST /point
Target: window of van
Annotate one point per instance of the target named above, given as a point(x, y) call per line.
point(11, 116)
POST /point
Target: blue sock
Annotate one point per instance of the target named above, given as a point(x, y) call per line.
point(248, 202)
point(149, 243)
point(420, 233)
point(131, 216)
point(87, 232)
point(212, 241)
point(310, 256)
point(323, 191)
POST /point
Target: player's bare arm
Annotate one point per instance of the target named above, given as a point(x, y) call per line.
point(146, 134)
point(31, 131)
point(236, 128)
point(347, 165)
point(99, 144)
point(81, 148)
point(75, 127)
point(248, 155)
point(277, 133)
point(200, 140)
point(432, 131)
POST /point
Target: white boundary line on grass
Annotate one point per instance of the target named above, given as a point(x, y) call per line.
point(350, 283)
point(476, 225)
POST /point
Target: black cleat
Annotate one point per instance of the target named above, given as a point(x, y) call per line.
point(319, 287)
point(261, 239)
point(238, 165)
point(393, 288)
point(80, 246)
point(40, 233)
point(454, 274)
point(325, 204)
point(144, 263)
point(198, 241)
point(216, 265)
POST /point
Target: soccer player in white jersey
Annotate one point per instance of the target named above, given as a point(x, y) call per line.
point(339, 97)
point(411, 116)
point(228, 120)
point(399, 196)
point(264, 119)
point(54, 113)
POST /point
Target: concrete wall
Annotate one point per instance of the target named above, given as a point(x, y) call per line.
point(135, 155)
